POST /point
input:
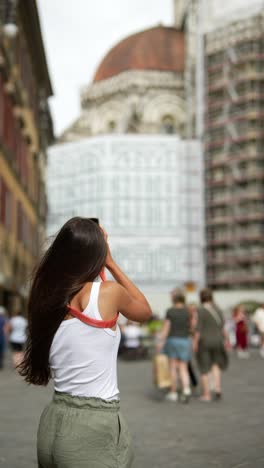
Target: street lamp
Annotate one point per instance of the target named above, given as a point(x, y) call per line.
point(10, 28)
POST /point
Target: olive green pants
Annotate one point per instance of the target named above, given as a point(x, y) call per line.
point(79, 432)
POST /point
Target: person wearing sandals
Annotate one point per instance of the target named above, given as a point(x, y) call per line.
point(210, 345)
point(175, 340)
point(74, 338)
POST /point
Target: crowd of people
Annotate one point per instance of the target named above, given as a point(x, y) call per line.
point(194, 331)
point(244, 330)
point(200, 333)
point(195, 337)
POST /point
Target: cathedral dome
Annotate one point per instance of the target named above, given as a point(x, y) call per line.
point(159, 48)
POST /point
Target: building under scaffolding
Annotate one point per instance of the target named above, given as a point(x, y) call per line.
point(147, 192)
point(224, 82)
point(234, 154)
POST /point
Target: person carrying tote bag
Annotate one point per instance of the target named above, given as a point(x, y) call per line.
point(161, 371)
point(175, 341)
point(74, 338)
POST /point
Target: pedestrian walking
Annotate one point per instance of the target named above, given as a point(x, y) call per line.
point(209, 345)
point(258, 319)
point(16, 329)
point(176, 340)
point(2, 336)
point(73, 337)
point(133, 348)
point(241, 328)
point(194, 319)
point(230, 330)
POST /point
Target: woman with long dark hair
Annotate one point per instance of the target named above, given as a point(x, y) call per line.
point(73, 337)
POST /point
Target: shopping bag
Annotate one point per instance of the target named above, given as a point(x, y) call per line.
point(161, 371)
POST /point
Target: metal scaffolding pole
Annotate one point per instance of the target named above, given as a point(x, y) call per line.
point(200, 70)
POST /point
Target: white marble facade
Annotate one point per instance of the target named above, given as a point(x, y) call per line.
point(147, 192)
point(141, 102)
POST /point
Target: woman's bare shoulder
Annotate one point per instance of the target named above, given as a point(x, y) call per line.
point(111, 287)
point(110, 299)
point(109, 290)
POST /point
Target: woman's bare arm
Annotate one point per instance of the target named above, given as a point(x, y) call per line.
point(131, 301)
point(7, 329)
point(164, 334)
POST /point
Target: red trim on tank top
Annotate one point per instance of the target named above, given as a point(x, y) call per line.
point(91, 321)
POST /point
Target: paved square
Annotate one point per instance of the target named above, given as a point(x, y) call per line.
point(227, 434)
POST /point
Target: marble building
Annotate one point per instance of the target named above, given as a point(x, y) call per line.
point(147, 193)
point(137, 88)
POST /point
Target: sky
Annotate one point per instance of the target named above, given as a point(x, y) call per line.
point(77, 35)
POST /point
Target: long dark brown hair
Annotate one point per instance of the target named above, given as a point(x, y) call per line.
point(76, 256)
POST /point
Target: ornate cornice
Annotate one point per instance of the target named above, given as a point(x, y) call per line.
point(128, 79)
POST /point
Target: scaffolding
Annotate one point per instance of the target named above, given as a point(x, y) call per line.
point(234, 142)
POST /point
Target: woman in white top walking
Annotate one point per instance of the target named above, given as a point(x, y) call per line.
point(73, 337)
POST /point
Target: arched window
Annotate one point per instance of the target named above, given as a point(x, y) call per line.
point(111, 126)
point(133, 123)
point(168, 124)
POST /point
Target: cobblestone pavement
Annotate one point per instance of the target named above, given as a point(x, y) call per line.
point(227, 434)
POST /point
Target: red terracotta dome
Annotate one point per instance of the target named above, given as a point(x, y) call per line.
point(159, 48)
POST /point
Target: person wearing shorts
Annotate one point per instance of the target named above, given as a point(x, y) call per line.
point(176, 343)
point(210, 349)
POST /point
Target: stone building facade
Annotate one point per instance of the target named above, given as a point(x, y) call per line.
point(25, 132)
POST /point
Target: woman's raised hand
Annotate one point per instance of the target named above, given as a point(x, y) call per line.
point(109, 259)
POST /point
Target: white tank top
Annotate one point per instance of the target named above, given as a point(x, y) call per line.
point(83, 359)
